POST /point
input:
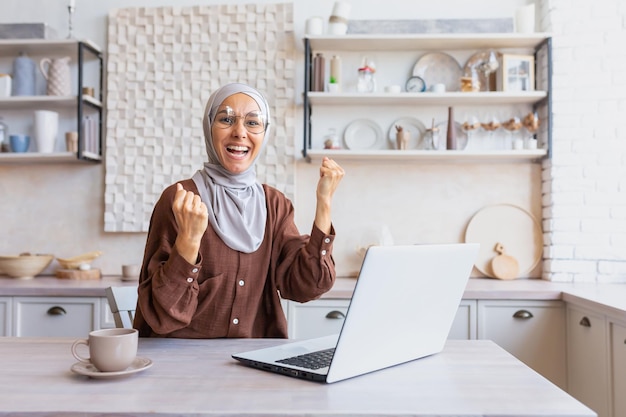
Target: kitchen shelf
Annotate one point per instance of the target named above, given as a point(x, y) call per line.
point(427, 42)
point(369, 104)
point(48, 46)
point(28, 102)
point(524, 155)
point(54, 157)
point(427, 98)
point(85, 106)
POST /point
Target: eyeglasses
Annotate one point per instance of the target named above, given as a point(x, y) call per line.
point(254, 122)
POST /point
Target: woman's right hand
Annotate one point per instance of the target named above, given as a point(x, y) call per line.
point(192, 219)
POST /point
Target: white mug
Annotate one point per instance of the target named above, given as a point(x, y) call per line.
point(525, 19)
point(314, 26)
point(46, 130)
point(5, 85)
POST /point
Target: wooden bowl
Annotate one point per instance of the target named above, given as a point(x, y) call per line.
point(24, 266)
point(76, 261)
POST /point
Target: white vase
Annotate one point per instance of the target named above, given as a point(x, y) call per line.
point(46, 130)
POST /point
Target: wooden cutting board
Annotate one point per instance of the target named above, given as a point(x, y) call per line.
point(78, 274)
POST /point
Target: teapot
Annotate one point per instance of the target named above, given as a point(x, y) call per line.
point(57, 72)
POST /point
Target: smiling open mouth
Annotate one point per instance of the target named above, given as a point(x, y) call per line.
point(238, 150)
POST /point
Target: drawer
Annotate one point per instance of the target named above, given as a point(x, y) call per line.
point(316, 318)
point(55, 316)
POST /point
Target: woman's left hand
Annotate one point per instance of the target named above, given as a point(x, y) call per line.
point(330, 177)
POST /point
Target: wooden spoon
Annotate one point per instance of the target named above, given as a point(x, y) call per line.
point(504, 266)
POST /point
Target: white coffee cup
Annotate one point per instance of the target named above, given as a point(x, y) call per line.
point(46, 130)
point(5, 85)
point(525, 19)
point(131, 271)
point(314, 26)
point(110, 350)
point(438, 88)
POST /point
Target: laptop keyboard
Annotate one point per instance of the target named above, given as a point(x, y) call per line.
point(313, 360)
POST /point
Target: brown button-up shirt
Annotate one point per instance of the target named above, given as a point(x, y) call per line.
point(229, 293)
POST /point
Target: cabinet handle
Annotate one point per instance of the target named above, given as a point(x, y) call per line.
point(585, 322)
point(523, 314)
point(56, 311)
point(335, 315)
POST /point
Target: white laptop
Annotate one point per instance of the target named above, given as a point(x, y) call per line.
point(402, 308)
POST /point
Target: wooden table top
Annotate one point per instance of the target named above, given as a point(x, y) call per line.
point(199, 377)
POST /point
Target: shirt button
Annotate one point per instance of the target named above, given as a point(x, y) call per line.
point(235, 321)
point(323, 252)
point(241, 282)
point(327, 240)
point(194, 270)
point(190, 280)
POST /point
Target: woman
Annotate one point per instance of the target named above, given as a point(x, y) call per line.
point(223, 249)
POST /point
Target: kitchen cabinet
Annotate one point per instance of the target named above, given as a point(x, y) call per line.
point(77, 112)
point(5, 316)
point(464, 324)
point(533, 331)
point(587, 358)
point(316, 318)
point(618, 368)
point(56, 316)
point(395, 56)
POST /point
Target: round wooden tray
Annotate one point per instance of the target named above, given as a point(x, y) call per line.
point(512, 226)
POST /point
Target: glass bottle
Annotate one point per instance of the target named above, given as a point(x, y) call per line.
point(317, 81)
point(451, 133)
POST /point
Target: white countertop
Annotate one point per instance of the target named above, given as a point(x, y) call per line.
point(606, 298)
point(198, 377)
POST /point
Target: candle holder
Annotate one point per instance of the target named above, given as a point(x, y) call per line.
point(70, 11)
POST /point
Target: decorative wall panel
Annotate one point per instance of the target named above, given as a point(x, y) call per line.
point(162, 65)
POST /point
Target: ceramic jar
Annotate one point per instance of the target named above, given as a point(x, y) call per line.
point(24, 76)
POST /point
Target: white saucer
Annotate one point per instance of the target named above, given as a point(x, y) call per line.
point(138, 365)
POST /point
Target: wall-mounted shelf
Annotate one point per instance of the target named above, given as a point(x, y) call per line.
point(326, 105)
point(524, 155)
point(80, 52)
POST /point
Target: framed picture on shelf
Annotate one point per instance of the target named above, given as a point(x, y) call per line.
point(516, 73)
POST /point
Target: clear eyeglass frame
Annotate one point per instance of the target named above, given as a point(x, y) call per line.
point(254, 122)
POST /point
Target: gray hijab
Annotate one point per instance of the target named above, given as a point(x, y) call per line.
point(236, 202)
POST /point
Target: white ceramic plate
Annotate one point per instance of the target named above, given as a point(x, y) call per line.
point(414, 127)
point(461, 136)
point(439, 67)
point(138, 365)
point(363, 134)
point(512, 226)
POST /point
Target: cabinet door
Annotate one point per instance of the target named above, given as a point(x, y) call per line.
point(464, 325)
point(5, 316)
point(533, 331)
point(618, 368)
point(316, 318)
point(587, 359)
point(55, 316)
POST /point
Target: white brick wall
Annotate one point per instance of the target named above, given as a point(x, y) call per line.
point(584, 201)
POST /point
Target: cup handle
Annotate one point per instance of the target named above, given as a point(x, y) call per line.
point(75, 350)
point(44, 66)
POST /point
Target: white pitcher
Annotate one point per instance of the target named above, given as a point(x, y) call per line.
point(57, 72)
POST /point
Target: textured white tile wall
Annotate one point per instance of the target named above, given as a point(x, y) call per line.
point(163, 63)
point(584, 186)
